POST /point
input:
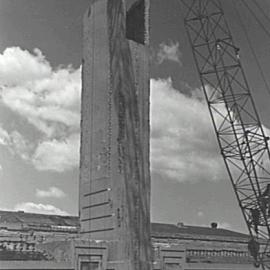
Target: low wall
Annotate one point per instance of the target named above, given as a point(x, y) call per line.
point(34, 265)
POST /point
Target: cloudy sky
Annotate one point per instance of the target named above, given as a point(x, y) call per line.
point(40, 55)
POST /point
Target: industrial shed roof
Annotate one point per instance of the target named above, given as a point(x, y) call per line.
point(39, 219)
point(157, 228)
point(171, 229)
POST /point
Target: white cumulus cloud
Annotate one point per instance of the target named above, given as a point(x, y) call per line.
point(39, 208)
point(4, 136)
point(169, 52)
point(183, 143)
point(184, 146)
point(52, 192)
point(49, 99)
point(57, 155)
point(19, 145)
point(16, 143)
point(19, 66)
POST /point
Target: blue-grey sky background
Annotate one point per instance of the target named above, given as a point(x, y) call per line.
point(40, 56)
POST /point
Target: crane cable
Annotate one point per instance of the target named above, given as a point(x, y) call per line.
point(253, 51)
point(261, 9)
point(256, 18)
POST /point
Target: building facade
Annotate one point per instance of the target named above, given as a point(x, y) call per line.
point(50, 242)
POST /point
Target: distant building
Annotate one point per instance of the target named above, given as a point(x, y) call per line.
point(47, 240)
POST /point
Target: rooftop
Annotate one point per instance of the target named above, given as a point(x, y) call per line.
point(171, 229)
point(32, 220)
point(37, 219)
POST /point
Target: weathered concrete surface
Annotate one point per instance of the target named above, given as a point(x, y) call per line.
point(96, 138)
point(131, 142)
point(114, 167)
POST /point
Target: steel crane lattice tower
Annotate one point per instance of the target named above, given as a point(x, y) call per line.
point(241, 138)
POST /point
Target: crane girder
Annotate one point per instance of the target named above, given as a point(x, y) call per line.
point(240, 134)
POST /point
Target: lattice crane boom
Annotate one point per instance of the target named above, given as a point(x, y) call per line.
point(240, 135)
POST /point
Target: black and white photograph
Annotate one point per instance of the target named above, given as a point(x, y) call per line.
point(134, 134)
